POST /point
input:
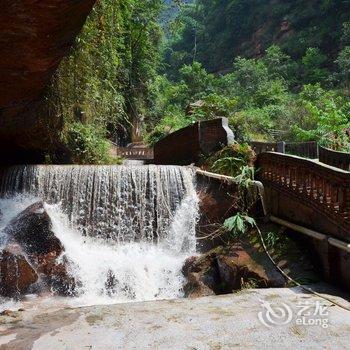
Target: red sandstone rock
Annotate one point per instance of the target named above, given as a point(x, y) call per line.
point(242, 264)
point(34, 37)
point(16, 274)
point(195, 287)
point(228, 269)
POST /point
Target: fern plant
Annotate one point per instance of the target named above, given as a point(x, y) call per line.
point(247, 196)
point(238, 224)
point(228, 165)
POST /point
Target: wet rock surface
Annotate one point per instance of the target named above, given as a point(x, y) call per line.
point(216, 322)
point(33, 252)
point(229, 268)
point(16, 273)
point(32, 229)
point(238, 263)
point(56, 274)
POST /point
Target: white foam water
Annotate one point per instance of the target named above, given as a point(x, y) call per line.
point(126, 230)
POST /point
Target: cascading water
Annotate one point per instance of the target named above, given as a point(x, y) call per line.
point(125, 230)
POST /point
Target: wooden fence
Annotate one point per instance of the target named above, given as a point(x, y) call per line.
point(302, 149)
point(263, 147)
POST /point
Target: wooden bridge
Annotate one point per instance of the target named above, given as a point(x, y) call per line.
point(310, 185)
point(316, 197)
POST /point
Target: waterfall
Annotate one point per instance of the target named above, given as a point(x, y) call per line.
point(126, 229)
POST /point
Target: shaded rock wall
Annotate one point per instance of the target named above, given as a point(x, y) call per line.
point(34, 37)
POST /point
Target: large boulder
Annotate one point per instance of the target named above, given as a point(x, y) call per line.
point(201, 277)
point(32, 229)
point(226, 269)
point(242, 266)
point(16, 273)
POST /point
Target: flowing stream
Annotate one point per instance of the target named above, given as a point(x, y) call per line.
point(126, 230)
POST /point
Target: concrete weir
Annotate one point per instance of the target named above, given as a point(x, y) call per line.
point(220, 322)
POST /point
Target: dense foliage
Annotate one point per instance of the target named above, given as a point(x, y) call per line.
point(294, 88)
point(279, 70)
point(231, 160)
point(259, 99)
point(215, 32)
point(105, 82)
point(88, 145)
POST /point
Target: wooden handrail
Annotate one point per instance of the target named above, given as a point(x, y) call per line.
point(309, 149)
point(338, 159)
point(325, 188)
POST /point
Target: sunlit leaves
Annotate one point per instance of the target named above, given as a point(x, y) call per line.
point(239, 224)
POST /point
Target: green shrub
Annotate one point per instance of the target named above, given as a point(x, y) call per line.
point(326, 117)
point(155, 136)
point(88, 145)
point(343, 63)
point(231, 160)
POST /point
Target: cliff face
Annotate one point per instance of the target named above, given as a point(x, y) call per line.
point(231, 28)
point(294, 25)
point(34, 37)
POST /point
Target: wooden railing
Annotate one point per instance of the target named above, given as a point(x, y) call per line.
point(136, 153)
point(323, 188)
point(263, 147)
point(302, 149)
point(337, 159)
point(309, 150)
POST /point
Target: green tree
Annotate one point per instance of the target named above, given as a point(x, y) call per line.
point(346, 34)
point(343, 63)
point(280, 65)
point(326, 119)
point(106, 80)
point(313, 63)
point(197, 80)
point(249, 75)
